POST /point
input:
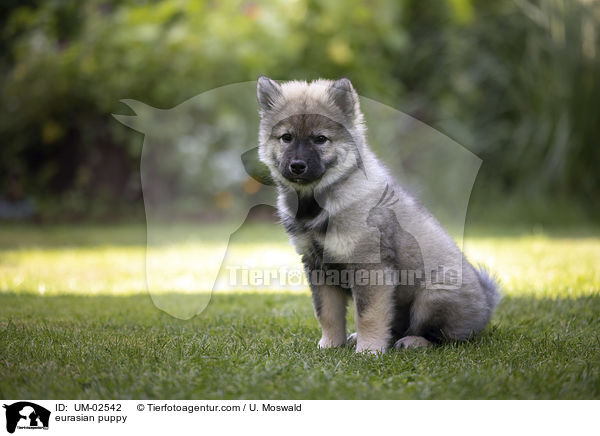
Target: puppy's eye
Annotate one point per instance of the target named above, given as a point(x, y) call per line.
point(320, 139)
point(286, 137)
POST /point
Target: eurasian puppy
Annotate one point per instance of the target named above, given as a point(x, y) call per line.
point(362, 236)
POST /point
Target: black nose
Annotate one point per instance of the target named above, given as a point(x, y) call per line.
point(298, 167)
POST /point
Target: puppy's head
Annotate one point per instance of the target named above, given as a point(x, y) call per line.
point(310, 133)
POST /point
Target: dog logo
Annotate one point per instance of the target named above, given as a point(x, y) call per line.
point(26, 415)
point(199, 162)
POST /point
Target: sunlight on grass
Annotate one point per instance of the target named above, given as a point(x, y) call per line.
point(115, 263)
point(540, 265)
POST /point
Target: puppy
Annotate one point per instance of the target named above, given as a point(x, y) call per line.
point(362, 237)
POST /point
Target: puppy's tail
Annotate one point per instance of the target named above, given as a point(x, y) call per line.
point(489, 283)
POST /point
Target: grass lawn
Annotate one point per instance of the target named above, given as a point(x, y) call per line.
point(76, 322)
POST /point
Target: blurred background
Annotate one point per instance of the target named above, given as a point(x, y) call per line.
point(515, 82)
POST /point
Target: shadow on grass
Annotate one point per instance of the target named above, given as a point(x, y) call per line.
point(14, 236)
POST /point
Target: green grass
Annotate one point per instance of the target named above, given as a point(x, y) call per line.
point(76, 322)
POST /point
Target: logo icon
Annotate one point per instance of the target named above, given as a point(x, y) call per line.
point(26, 415)
point(200, 158)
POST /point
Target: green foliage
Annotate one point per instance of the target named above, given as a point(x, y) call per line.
point(516, 82)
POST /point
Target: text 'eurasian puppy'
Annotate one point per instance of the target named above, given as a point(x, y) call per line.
point(360, 234)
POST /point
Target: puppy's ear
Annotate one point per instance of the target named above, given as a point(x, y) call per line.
point(345, 97)
point(268, 92)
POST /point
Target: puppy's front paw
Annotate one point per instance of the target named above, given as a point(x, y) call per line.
point(368, 350)
point(326, 342)
point(412, 342)
point(371, 347)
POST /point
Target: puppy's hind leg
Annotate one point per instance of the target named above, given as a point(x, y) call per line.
point(330, 309)
point(428, 320)
point(412, 342)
